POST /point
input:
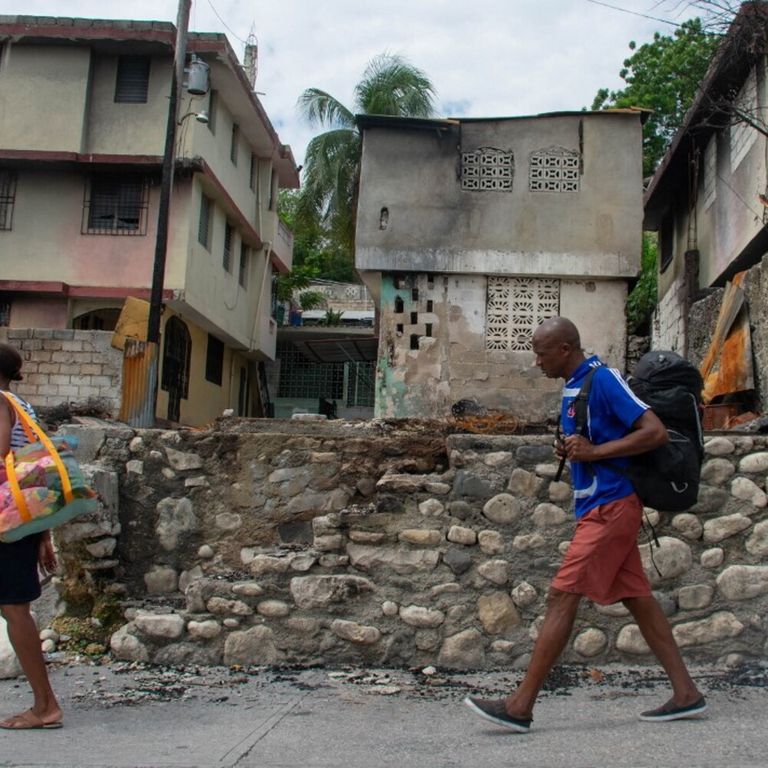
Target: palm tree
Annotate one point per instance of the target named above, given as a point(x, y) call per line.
point(389, 86)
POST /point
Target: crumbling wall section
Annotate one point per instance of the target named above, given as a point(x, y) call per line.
point(392, 543)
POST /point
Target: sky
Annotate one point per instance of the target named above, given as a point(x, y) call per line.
point(486, 58)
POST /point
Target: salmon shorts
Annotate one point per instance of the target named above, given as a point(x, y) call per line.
point(603, 562)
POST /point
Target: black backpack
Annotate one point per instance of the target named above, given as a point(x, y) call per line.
point(666, 478)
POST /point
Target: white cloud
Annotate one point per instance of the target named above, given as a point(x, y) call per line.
point(486, 58)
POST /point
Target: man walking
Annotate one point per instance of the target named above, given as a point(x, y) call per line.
point(603, 561)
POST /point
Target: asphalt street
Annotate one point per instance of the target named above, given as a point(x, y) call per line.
point(119, 715)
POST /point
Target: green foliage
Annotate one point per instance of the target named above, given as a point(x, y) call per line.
point(332, 317)
point(287, 283)
point(662, 75)
point(642, 300)
point(311, 299)
point(389, 86)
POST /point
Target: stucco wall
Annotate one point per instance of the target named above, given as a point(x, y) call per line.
point(278, 543)
point(452, 361)
point(67, 366)
point(432, 224)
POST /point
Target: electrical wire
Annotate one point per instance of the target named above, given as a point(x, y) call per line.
point(226, 26)
point(627, 10)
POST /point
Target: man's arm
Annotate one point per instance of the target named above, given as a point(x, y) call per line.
point(646, 434)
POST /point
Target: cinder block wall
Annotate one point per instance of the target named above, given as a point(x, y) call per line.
point(63, 366)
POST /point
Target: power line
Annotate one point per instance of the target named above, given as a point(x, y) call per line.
point(226, 26)
point(627, 10)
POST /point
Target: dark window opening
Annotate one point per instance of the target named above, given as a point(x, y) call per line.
point(242, 273)
point(667, 244)
point(5, 312)
point(272, 190)
point(399, 305)
point(398, 281)
point(214, 360)
point(428, 331)
point(399, 327)
point(414, 318)
point(244, 392)
point(227, 255)
point(415, 294)
point(7, 198)
point(252, 173)
point(115, 206)
point(414, 341)
point(430, 281)
point(383, 218)
point(204, 226)
point(212, 103)
point(97, 320)
point(132, 83)
point(430, 305)
point(233, 143)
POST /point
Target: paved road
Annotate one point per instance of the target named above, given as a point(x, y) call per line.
point(120, 715)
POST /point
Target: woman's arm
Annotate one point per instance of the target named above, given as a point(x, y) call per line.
point(7, 420)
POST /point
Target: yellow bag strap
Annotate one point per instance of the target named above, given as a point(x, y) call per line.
point(30, 426)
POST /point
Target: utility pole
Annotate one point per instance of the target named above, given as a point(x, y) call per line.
point(166, 185)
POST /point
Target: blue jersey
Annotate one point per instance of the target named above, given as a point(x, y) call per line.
point(611, 412)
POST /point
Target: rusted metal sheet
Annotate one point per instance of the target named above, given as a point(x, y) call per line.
point(137, 406)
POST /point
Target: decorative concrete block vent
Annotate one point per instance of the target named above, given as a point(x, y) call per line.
point(391, 544)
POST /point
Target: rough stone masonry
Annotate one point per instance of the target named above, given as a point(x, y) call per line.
point(389, 543)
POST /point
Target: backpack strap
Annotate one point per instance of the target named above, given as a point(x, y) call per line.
point(581, 402)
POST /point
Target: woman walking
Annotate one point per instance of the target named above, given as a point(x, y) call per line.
point(19, 577)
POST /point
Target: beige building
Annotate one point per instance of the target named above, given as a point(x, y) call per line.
point(471, 232)
point(83, 110)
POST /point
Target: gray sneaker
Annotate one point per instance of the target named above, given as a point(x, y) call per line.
point(494, 711)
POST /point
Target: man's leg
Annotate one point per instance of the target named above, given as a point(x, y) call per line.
point(657, 633)
point(22, 632)
point(553, 636)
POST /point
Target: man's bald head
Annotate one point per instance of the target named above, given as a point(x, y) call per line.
point(560, 330)
point(557, 347)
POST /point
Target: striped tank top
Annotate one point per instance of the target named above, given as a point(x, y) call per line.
point(18, 435)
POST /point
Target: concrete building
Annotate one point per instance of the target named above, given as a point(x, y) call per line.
point(83, 110)
point(471, 232)
point(708, 202)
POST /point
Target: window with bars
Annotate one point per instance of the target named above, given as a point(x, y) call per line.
point(361, 384)
point(132, 82)
point(710, 171)
point(229, 236)
point(300, 377)
point(115, 205)
point(214, 360)
point(242, 273)
point(7, 198)
point(233, 143)
point(487, 169)
point(516, 306)
point(204, 225)
point(5, 312)
point(555, 169)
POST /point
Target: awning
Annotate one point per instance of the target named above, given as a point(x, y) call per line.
point(356, 350)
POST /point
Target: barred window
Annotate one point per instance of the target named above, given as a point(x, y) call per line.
point(301, 377)
point(228, 237)
point(555, 169)
point(204, 225)
point(5, 312)
point(516, 306)
point(487, 169)
point(242, 274)
point(115, 206)
point(710, 171)
point(361, 384)
point(7, 198)
point(132, 82)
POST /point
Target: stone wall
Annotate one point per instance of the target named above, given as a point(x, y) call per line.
point(390, 543)
point(66, 366)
